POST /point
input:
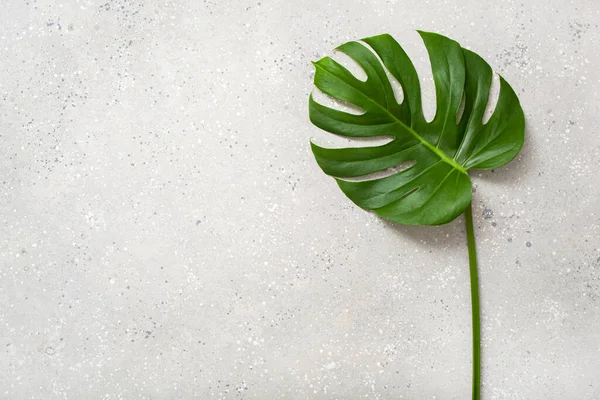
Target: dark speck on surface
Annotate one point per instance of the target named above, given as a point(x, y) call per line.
point(487, 213)
point(528, 244)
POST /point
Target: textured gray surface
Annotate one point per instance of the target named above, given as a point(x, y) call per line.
point(166, 234)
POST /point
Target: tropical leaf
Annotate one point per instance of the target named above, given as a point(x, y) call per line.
point(436, 188)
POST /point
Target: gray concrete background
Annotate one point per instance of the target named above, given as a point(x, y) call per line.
point(166, 234)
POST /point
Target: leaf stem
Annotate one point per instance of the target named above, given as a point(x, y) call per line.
point(474, 303)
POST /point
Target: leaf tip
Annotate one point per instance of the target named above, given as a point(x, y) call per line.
point(422, 32)
point(381, 35)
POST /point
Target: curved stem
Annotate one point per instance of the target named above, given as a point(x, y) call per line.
point(474, 304)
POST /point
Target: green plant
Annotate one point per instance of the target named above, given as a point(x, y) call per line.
point(436, 188)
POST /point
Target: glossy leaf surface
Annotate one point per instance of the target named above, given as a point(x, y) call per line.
point(436, 188)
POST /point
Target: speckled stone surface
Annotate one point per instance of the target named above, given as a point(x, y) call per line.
point(166, 234)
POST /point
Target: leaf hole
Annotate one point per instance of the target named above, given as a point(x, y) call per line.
point(350, 64)
point(396, 86)
point(342, 142)
point(423, 67)
point(326, 100)
point(492, 99)
point(384, 173)
point(394, 83)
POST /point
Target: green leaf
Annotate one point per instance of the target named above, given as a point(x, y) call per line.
point(437, 188)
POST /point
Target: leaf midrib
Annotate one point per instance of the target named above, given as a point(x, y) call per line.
point(430, 146)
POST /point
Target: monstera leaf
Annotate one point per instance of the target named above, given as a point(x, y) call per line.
point(436, 188)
